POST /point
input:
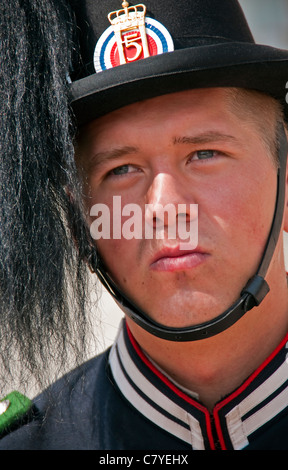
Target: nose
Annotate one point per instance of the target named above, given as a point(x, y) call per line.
point(168, 202)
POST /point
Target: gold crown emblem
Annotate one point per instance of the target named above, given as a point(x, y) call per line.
point(130, 19)
point(131, 16)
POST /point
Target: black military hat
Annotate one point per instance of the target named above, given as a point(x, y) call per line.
point(191, 44)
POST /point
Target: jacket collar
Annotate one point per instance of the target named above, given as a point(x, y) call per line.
point(235, 421)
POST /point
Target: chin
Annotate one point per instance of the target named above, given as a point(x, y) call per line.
point(199, 308)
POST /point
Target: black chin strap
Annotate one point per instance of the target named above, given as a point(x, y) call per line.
point(251, 296)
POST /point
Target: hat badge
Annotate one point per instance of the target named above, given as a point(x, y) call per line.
point(131, 37)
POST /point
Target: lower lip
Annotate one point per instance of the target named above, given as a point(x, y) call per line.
point(179, 263)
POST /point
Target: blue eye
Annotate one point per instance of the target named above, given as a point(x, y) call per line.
point(120, 170)
point(123, 170)
point(204, 154)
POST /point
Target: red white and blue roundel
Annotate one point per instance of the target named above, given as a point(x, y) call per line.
point(106, 54)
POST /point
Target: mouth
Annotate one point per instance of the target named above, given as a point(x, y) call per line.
point(171, 259)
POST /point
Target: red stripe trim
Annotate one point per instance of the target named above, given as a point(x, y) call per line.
point(252, 376)
point(173, 387)
point(219, 431)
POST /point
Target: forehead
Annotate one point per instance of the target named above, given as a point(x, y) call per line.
point(229, 111)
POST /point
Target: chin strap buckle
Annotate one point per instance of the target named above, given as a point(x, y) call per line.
point(257, 288)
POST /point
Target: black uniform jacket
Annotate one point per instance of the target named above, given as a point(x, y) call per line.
point(121, 400)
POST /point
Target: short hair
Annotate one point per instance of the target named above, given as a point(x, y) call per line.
point(262, 111)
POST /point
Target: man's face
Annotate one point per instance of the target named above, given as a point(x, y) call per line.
point(185, 148)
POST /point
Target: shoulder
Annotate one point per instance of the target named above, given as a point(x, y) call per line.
point(60, 417)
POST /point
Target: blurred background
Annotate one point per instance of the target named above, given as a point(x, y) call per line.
point(268, 21)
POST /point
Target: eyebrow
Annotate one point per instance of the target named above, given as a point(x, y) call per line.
point(204, 138)
point(100, 158)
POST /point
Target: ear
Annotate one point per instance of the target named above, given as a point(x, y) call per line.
point(285, 215)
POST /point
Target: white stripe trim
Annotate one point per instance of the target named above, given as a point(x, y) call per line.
point(239, 430)
point(237, 433)
point(197, 436)
point(275, 381)
point(265, 414)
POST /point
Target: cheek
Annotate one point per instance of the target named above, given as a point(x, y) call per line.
point(119, 256)
point(244, 208)
point(236, 209)
point(260, 205)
